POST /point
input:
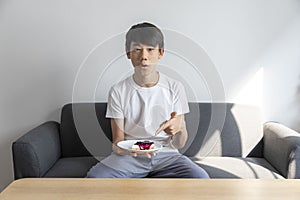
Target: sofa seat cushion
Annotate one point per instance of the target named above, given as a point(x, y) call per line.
point(236, 167)
point(71, 167)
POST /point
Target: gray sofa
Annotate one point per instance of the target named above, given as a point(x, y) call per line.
point(227, 140)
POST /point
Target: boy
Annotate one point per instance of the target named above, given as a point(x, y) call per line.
point(139, 106)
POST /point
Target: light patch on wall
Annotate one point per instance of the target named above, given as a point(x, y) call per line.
point(252, 92)
point(249, 123)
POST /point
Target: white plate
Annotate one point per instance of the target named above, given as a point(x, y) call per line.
point(127, 145)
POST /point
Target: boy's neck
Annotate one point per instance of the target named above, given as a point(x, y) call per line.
point(146, 81)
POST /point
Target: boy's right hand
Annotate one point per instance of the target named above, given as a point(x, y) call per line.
point(121, 151)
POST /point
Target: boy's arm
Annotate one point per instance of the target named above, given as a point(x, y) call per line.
point(179, 139)
point(117, 127)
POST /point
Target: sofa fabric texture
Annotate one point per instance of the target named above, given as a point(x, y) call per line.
point(226, 139)
point(286, 158)
point(37, 151)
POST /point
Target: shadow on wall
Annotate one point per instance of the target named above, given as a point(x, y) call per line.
point(297, 117)
point(295, 104)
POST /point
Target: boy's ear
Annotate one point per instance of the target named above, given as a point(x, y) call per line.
point(128, 54)
point(161, 52)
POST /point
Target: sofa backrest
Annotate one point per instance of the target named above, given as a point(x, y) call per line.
point(215, 129)
point(223, 129)
point(84, 130)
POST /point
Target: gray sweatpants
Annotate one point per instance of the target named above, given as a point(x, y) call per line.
point(163, 165)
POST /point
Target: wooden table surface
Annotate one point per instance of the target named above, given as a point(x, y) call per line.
point(144, 189)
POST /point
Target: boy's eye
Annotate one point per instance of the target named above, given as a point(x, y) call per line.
point(150, 49)
point(137, 49)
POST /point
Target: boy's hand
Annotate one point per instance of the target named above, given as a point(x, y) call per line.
point(121, 151)
point(171, 126)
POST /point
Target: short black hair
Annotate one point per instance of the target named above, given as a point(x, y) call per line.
point(145, 33)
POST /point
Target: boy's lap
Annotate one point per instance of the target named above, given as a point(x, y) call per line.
point(128, 166)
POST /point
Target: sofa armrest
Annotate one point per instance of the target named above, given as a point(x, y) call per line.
point(35, 152)
point(282, 149)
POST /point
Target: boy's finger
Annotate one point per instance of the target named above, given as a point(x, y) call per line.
point(162, 127)
point(165, 124)
point(173, 115)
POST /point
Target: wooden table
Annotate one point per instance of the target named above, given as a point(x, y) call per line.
point(152, 189)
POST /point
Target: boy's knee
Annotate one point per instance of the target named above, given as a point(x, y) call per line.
point(90, 175)
point(96, 171)
point(198, 172)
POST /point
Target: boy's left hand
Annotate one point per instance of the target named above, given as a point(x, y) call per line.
point(171, 126)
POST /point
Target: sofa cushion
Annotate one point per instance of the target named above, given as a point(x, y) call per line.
point(230, 167)
point(72, 167)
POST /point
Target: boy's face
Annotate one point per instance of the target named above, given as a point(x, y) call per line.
point(144, 58)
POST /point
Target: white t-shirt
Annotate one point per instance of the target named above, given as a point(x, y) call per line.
point(145, 109)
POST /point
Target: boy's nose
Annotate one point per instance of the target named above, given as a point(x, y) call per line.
point(144, 54)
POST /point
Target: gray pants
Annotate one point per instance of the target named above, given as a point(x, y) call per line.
point(163, 165)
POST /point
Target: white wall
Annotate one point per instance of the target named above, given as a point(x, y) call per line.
point(43, 44)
